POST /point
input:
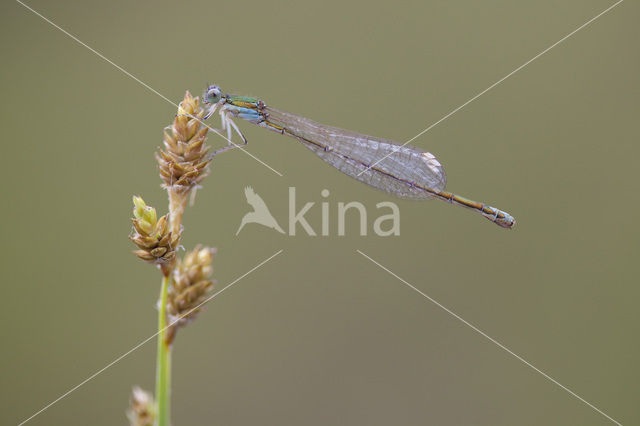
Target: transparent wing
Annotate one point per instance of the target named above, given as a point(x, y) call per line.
point(399, 173)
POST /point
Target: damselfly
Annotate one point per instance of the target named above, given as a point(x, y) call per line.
point(400, 170)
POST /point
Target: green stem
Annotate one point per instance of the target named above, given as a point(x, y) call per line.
point(163, 360)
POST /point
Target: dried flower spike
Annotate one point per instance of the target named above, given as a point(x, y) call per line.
point(141, 410)
point(189, 287)
point(183, 162)
point(156, 243)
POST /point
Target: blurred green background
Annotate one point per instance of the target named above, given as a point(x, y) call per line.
point(320, 335)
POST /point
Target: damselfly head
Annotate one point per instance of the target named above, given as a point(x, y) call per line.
point(212, 94)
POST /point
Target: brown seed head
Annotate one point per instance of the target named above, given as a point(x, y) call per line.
point(141, 410)
point(156, 243)
point(184, 161)
point(189, 287)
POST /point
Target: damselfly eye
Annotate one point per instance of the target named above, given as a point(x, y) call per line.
point(212, 94)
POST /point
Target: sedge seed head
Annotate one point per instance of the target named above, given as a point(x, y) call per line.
point(141, 410)
point(189, 288)
point(184, 161)
point(156, 243)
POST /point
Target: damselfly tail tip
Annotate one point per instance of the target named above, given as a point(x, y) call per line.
point(499, 217)
point(507, 221)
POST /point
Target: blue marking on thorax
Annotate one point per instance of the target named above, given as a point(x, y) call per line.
point(248, 114)
point(241, 110)
point(254, 117)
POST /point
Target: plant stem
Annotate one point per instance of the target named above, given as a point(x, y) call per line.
point(163, 360)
